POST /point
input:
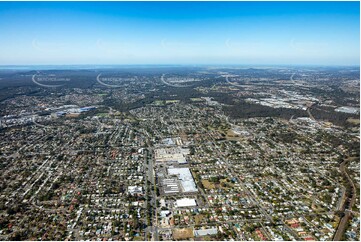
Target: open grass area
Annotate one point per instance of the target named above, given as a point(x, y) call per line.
point(198, 219)
point(184, 233)
point(102, 94)
point(208, 185)
point(230, 135)
point(353, 121)
point(138, 238)
point(158, 103)
point(102, 114)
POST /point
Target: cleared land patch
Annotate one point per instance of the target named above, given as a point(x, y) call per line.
point(183, 233)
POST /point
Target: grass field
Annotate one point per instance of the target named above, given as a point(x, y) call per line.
point(102, 114)
point(353, 121)
point(185, 233)
point(230, 135)
point(208, 185)
point(198, 219)
point(158, 102)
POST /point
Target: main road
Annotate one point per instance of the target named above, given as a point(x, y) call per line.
point(348, 209)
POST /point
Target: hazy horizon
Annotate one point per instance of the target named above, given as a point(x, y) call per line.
point(180, 33)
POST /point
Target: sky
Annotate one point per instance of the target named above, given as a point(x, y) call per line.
point(103, 33)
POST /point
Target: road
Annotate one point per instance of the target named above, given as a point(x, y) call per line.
point(310, 114)
point(348, 209)
point(153, 226)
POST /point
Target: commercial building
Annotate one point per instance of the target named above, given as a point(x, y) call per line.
point(185, 177)
point(170, 186)
point(186, 202)
point(204, 232)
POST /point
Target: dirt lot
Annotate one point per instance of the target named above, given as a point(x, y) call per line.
point(183, 233)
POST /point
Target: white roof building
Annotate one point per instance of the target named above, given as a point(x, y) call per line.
point(185, 177)
point(171, 154)
point(186, 202)
point(203, 232)
point(135, 190)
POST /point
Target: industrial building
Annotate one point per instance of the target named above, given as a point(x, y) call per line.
point(185, 177)
point(170, 186)
point(171, 154)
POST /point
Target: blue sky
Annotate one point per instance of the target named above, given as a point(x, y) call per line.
point(46, 33)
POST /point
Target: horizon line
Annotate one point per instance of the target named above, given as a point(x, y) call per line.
point(161, 64)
